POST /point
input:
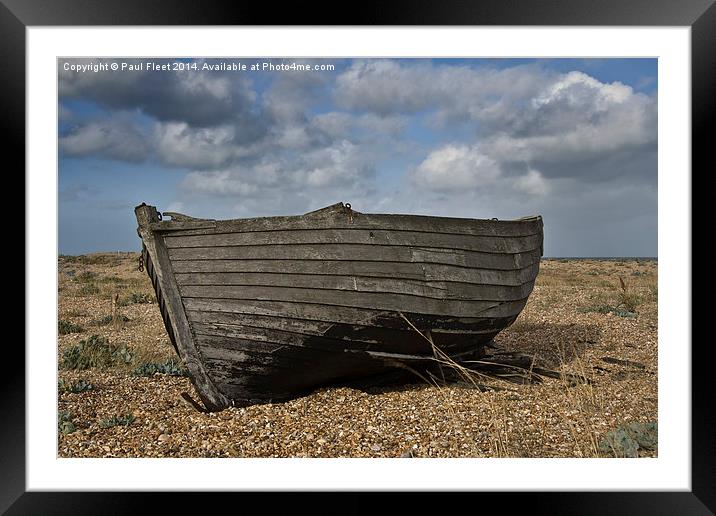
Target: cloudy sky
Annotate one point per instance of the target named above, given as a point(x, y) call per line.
point(572, 140)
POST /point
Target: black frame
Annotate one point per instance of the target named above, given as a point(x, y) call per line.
point(700, 15)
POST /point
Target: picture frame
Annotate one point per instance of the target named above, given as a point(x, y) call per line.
point(16, 16)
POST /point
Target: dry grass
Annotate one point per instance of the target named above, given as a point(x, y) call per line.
point(473, 417)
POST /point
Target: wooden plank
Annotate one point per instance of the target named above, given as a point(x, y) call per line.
point(210, 395)
point(376, 323)
point(408, 302)
point(272, 360)
point(260, 383)
point(416, 271)
point(237, 356)
point(266, 347)
point(349, 315)
point(460, 226)
point(278, 357)
point(305, 326)
point(343, 336)
point(358, 252)
point(427, 289)
point(339, 267)
point(182, 225)
point(492, 244)
point(251, 327)
point(391, 302)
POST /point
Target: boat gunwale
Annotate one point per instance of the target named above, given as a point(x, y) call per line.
point(333, 209)
point(169, 232)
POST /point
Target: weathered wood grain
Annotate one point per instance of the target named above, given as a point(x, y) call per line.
point(491, 244)
point(427, 289)
point(340, 220)
point(415, 271)
point(360, 322)
point(360, 252)
point(378, 300)
point(349, 315)
point(230, 319)
point(342, 337)
point(304, 301)
point(181, 225)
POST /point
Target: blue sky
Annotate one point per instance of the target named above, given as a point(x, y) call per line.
point(571, 139)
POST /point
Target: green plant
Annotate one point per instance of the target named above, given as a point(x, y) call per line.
point(86, 276)
point(627, 299)
point(626, 441)
point(65, 327)
point(606, 309)
point(64, 422)
point(136, 298)
point(95, 351)
point(169, 367)
point(79, 386)
point(139, 298)
point(117, 421)
point(600, 309)
point(112, 279)
point(89, 289)
point(108, 319)
point(623, 313)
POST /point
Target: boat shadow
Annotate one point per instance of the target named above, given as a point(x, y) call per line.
point(549, 346)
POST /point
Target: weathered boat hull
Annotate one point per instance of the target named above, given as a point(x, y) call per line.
point(267, 309)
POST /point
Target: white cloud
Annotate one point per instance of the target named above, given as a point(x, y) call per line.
point(383, 87)
point(178, 144)
point(335, 123)
point(339, 166)
point(519, 114)
point(532, 183)
point(455, 92)
point(176, 206)
point(204, 84)
point(222, 183)
point(117, 137)
point(580, 90)
point(455, 167)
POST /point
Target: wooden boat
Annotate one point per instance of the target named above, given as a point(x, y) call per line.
point(267, 309)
